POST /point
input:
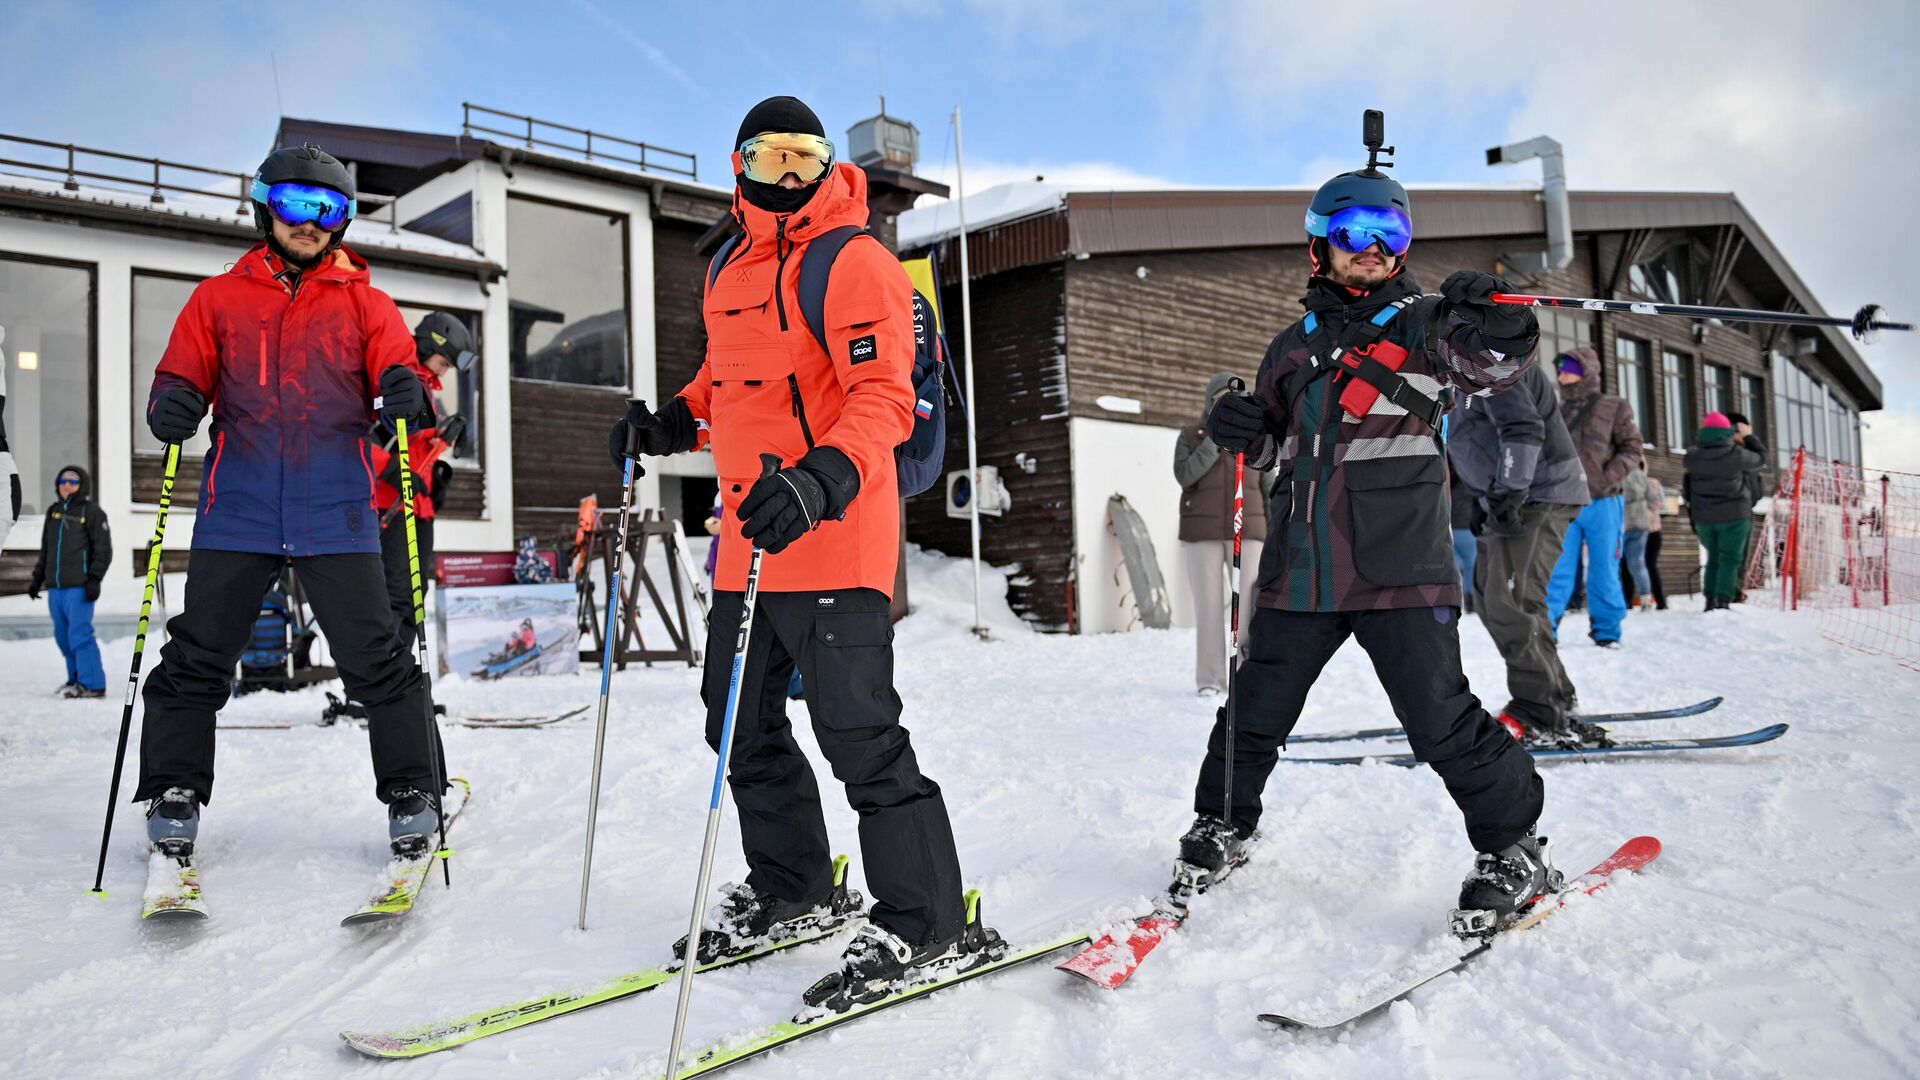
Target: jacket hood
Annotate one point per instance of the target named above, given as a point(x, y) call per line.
point(261, 264)
point(1712, 435)
point(840, 199)
point(1323, 294)
point(1589, 384)
point(86, 480)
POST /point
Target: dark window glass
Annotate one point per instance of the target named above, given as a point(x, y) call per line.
point(45, 337)
point(1663, 278)
point(459, 391)
point(1676, 374)
point(1561, 331)
point(568, 316)
point(1633, 355)
point(1716, 383)
point(157, 302)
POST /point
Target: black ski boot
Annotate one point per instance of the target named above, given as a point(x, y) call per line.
point(173, 822)
point(879, 963)
point(1504, 885)
point(413, 820)
point(749, 921)
point(1208, 853)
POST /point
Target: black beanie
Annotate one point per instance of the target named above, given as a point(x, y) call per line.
point(781, 114)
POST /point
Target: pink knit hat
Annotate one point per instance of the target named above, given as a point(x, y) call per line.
point(1716, 419)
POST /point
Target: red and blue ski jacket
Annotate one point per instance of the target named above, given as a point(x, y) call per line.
point(290, 376)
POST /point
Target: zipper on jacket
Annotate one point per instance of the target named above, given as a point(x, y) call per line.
point(60, 540)
point(213, 470)
point(780, 252)
point(800, 409)
point(263, 352)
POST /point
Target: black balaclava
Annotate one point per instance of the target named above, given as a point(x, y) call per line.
point(778, 114)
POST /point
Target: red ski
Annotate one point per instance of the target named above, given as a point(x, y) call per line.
point(1635, 854)
point(1110, 960)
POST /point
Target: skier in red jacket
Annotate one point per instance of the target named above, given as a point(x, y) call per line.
point(294, 351)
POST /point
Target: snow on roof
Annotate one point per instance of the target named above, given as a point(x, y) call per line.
point(228, 209)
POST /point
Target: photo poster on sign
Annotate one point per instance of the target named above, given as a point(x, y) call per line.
point(508, 631)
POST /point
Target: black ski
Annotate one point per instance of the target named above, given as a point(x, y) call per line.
point(1694, 709)
point(1619, 746)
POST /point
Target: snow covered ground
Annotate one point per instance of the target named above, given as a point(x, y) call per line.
point(1778, 935)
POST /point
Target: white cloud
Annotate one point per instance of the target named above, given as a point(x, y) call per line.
point(1092, 175)
point(1890, 439)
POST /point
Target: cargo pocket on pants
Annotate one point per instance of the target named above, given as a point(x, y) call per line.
point(853, 665)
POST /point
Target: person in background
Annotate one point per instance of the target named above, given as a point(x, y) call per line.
point(1744, 437)
point(1206, 483)
point(1633, 549)
point(442, 344)
point(75, 550)
point(1722, 483)
point(1466, 515)
point(1609, 445)
point(9, 474)
point(1657, 505)
point(1512, 454)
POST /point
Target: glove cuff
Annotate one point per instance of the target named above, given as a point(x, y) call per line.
point(839, 478)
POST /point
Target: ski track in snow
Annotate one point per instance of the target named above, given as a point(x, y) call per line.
point(1776, 936)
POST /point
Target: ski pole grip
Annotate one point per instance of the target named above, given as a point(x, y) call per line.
point(639, 417)
point(769, 464)
point(1236, 384)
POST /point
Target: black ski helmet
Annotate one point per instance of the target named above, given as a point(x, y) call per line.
point(1367, 186)
point(301, 164)
point(446, 335)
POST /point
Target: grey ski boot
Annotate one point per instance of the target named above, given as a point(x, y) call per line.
point(173, 822)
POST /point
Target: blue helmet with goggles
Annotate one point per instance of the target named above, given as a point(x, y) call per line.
point(302, 185)
point(1357, 210)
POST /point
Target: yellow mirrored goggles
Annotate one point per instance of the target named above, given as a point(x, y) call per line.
point(769, 157)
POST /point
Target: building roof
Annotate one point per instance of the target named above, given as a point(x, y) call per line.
point(223, 217)
point(1028, 223)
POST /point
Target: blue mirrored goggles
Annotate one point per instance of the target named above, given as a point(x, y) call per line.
point(1355, 229)
point(299, 204)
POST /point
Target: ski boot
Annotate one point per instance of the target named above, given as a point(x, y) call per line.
point(1574, 733)
point(748, 920)
point(78, 691)
point(413, 819)
point(879, 963)
point(1208, 853)
point(1504, 885)
point(173, 822)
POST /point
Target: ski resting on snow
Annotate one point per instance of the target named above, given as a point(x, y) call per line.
point(1621, 746)
point(401, 880)
point(1695, 709)
point(1632, 856)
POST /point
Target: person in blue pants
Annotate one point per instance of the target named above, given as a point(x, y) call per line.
point(1608, 442)
point(75, 550)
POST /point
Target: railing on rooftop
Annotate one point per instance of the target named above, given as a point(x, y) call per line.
point(155, 177)
point(595, 146)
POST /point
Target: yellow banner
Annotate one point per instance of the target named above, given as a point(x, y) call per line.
point(921, 272)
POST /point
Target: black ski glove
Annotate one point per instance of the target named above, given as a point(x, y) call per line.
point(787, 505)
point(1503, 513)
point(402, 397)
point(93, 591)
point(1510, 328)
point(670, 431)
point(33, 589)
point(175, 415)
point(1237, 420)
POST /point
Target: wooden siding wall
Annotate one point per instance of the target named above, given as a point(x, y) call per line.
point(679, 275)
point(1019, 375)
point(467, 499)
point(560, 454)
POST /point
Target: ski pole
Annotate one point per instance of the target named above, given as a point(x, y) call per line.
point(1863, 325)
point(420, 641)
point(1233, 654)
point(608, 645)
point(139, 651)
point(769, 464)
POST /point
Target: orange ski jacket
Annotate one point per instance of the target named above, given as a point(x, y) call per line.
point(767, 387)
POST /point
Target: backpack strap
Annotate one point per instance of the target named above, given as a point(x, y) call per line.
point(815, 267)
point(1392, 385)
point(721, 256)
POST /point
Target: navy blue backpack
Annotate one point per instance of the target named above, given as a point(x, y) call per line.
point(918, 461)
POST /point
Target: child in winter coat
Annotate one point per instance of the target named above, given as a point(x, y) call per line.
point(75, 550)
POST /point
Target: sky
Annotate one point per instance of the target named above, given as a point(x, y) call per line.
point(1806, 112)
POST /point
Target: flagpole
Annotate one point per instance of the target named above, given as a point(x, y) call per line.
point(966, 342)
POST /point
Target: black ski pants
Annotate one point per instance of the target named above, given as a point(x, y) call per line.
point(393, 558)
point(1416, 654)
point(1510, 578)
point(842, 642)
point(195, 674)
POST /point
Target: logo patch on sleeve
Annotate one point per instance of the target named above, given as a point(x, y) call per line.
point(862, 349)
